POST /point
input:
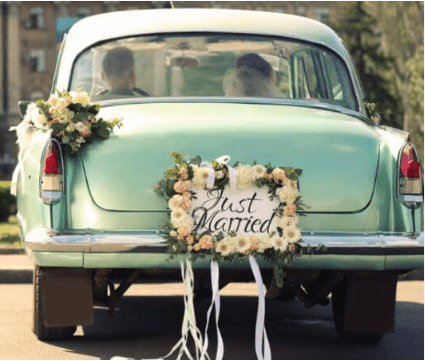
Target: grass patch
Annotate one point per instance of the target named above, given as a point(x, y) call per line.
point(4, 184)
point(9, 234)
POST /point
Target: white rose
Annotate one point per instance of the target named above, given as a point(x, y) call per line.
point(258, 170)
point(80, 97)
point(65, 139)
point(80, 126)
point(70, 128)
point(263, 242)
point(40, 120)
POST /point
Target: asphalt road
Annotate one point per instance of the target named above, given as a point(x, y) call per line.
point(148, 324)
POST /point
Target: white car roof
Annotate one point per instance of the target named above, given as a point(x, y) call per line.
point(99, 28)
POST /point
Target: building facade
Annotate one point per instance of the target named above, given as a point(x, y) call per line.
point(31, 34)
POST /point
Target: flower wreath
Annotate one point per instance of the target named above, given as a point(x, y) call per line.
point(187, 177)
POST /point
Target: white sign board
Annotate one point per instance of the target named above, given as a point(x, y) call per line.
point(222, 210)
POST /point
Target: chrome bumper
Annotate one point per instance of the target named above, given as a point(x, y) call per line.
point(367, 243)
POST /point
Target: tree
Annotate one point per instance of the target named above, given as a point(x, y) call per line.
point(402, 27)
point(358, 29)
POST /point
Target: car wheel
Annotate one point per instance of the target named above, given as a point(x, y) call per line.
point(40, 330)
point(338, 306)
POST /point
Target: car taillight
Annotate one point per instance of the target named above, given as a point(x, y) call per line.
point(51, 173)
point(410, 181)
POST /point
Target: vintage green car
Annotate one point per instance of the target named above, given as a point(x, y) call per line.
point(252, 85)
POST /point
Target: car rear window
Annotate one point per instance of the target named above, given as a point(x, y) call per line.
point(213, 65)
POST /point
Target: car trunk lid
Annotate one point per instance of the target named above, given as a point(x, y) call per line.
point(338, 153)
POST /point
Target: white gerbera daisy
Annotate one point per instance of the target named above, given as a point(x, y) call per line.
point(292, 234)
point(175, 202)
point(225, 247)
point(279, 243)
point(242, 243)
point(179, 217)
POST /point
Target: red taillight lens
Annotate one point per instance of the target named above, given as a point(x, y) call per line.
point(51, 163)
point(410, 171)
point(51, 173)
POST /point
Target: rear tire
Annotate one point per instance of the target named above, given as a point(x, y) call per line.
point(41, 331)
point(338, 307)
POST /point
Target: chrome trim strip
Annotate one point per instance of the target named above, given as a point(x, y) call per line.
point(43, 239)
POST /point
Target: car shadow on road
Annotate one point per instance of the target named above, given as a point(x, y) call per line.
point(148, 327)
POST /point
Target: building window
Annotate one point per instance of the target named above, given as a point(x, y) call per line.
point(83, 12)
point(321, 14)
point(36, 18)
point(37, 61)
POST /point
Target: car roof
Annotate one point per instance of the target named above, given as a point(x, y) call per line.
point(106, 26)
point(99, 28)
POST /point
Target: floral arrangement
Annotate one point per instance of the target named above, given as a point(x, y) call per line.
point(71, 117)
point(187, 177)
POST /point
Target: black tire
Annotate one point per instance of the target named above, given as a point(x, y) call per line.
point(338, 307)
point(41, 331)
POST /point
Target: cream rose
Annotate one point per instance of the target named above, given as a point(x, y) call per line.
point(258, 170)
point(288, 194)
point(244, 176)
point(80, 97)
point(286, 221)
point(279, 175)
point(200, 177)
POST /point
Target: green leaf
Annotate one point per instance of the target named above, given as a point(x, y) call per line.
point(103, 133)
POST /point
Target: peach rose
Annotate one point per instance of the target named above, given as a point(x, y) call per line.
point(180, 187)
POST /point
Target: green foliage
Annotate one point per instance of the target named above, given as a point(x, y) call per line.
point(7, 203)
point(358, 28)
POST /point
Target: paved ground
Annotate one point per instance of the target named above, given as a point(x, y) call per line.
point(148, 322)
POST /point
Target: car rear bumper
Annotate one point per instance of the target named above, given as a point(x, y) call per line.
point(363, 251)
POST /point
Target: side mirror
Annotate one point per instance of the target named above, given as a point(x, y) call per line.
point(23, 105)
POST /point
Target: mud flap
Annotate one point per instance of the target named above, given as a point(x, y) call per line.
point(67, 297)
point(370, 302)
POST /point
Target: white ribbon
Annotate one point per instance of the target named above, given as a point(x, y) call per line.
point(261, 340)
point(214, 302)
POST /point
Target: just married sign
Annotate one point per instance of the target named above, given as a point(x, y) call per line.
point(240, 212)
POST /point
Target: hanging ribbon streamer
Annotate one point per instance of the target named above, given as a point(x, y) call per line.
point(261, 339)
point(214, 302)
point(189, 319)
point(189, 327)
